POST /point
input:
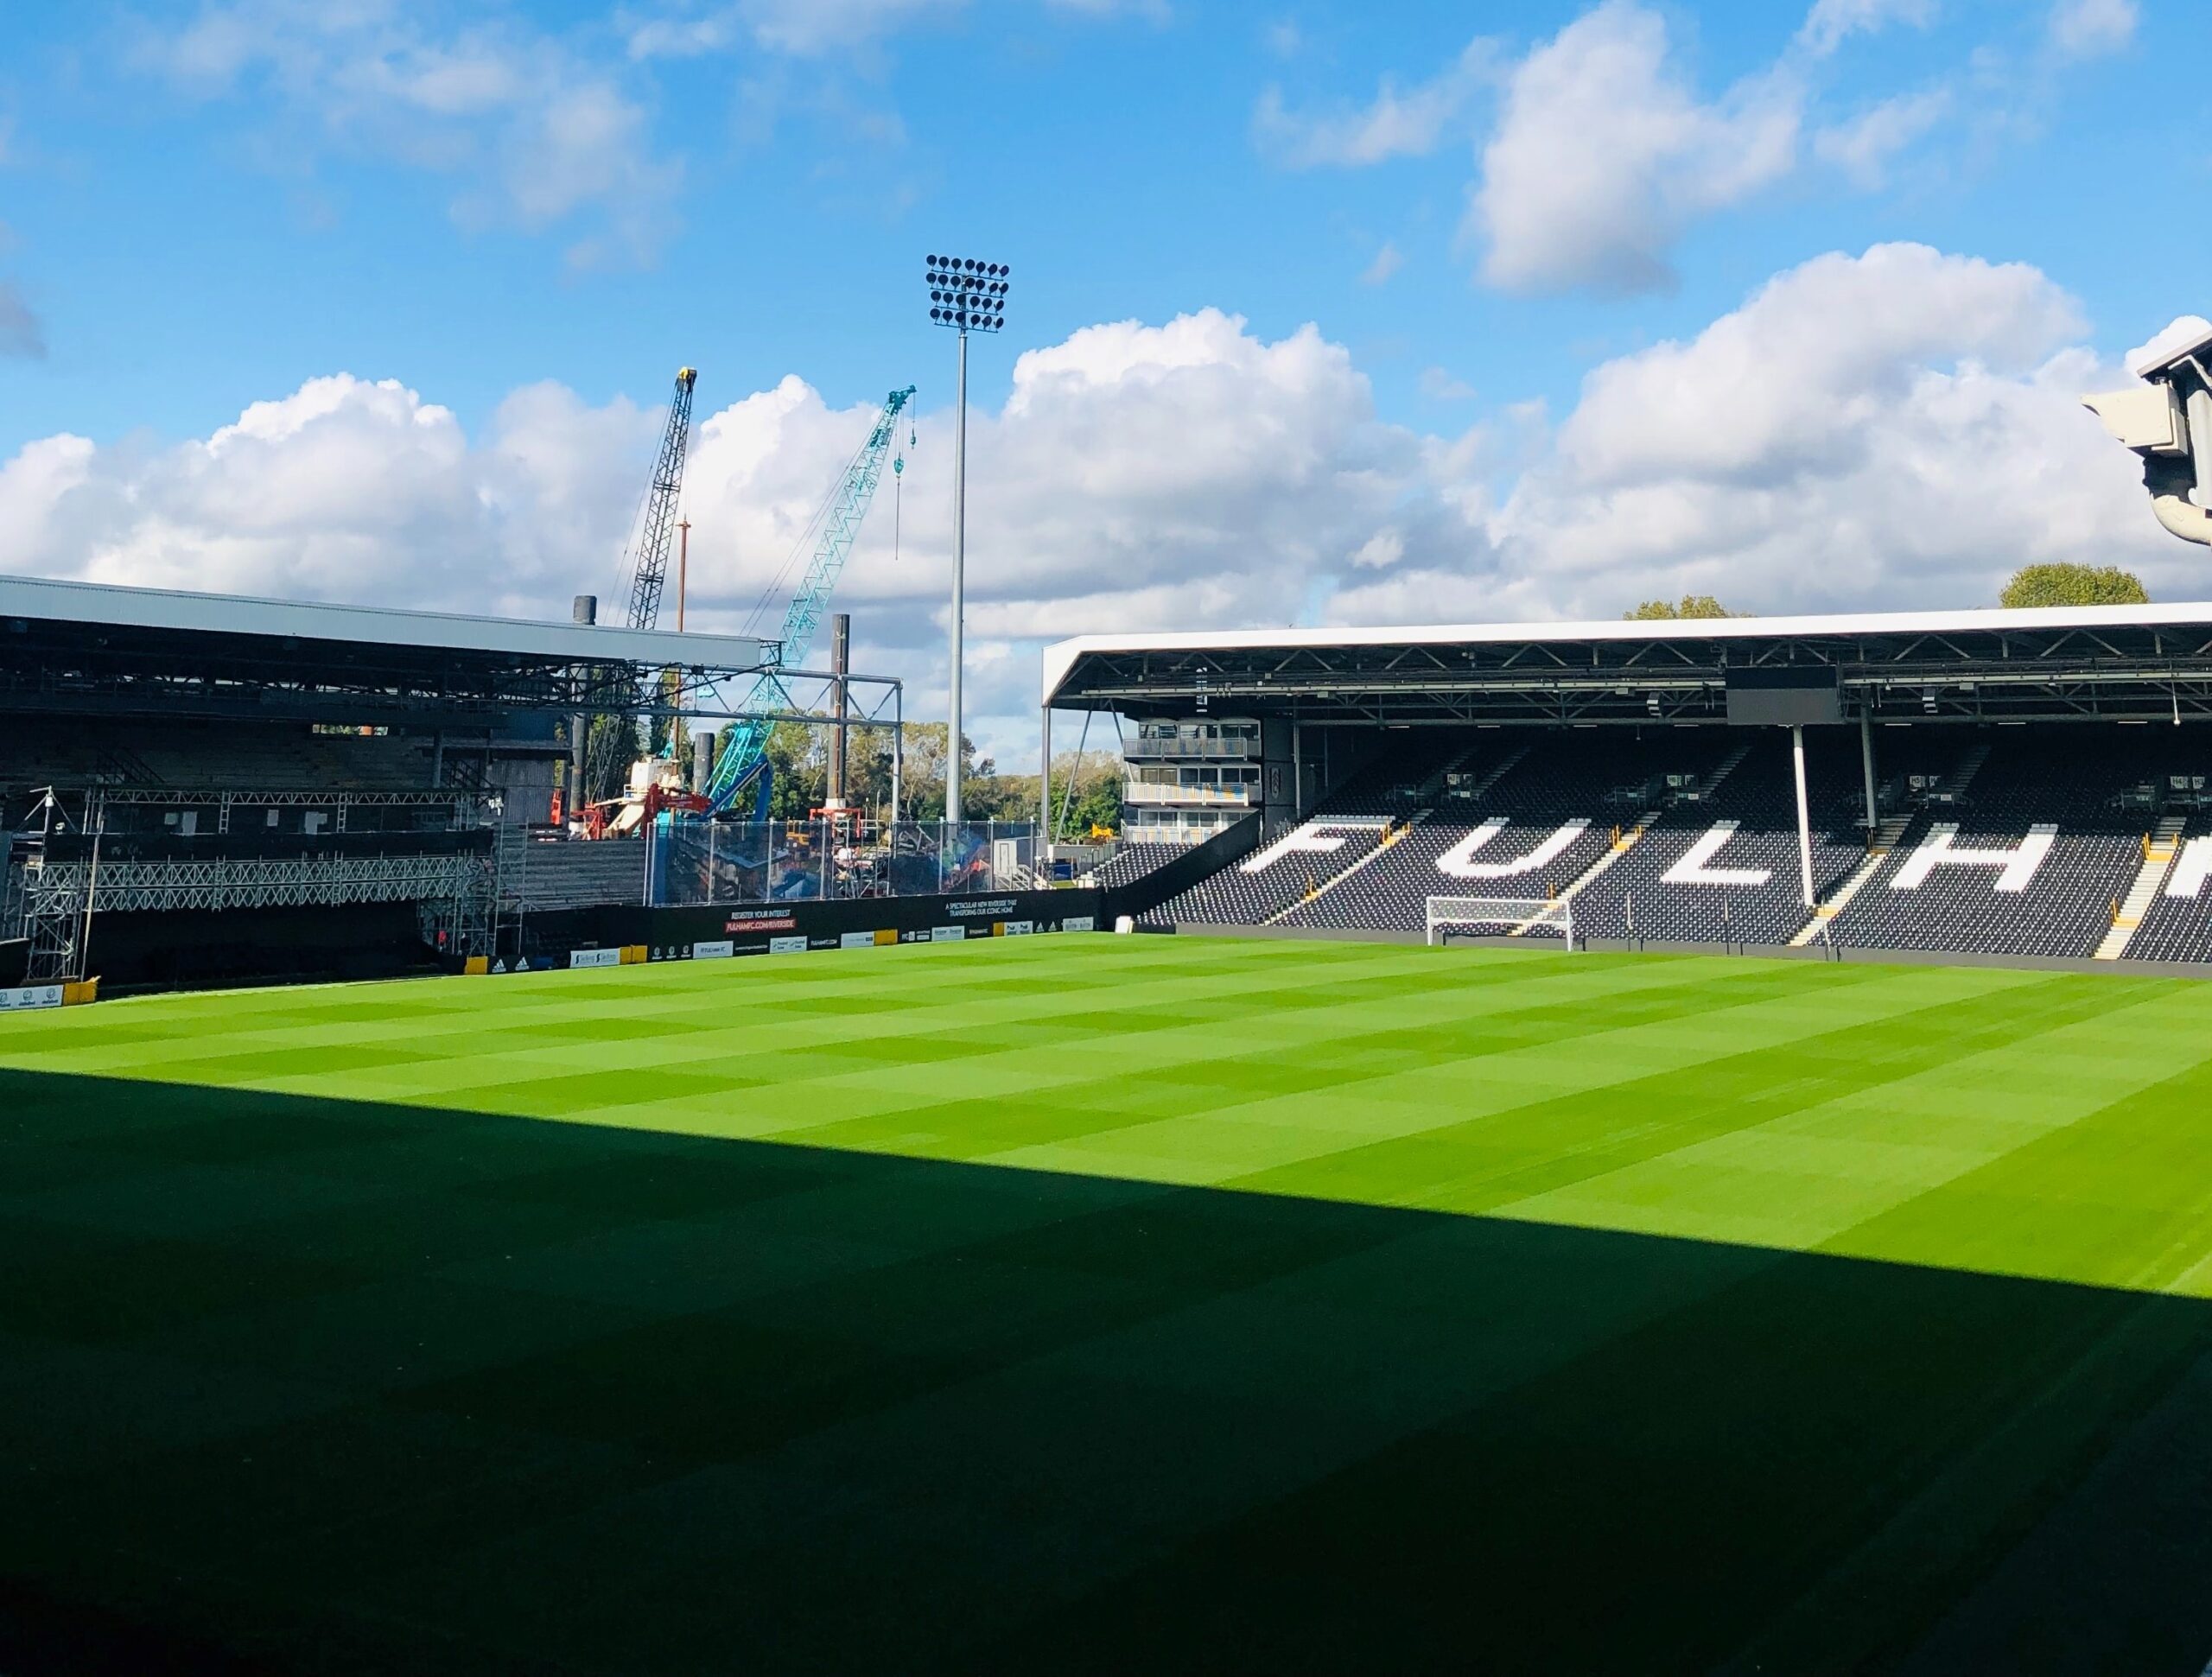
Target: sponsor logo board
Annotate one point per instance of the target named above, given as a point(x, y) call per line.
point(787, 946)
point(857, 940)
point(772, 922)
point(1020, 928)
point(947, 934)
point(720, 950)
point(595, 957)
point(1079, 922)
point(30, 995)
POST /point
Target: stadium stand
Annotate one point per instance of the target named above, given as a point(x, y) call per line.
point(231, 759)
point(1132, 861)
point(1368, 814)
point(2026, 856)
point(2175, 923)
point(1722, 866)
point(2011, 841)
point(207, 788)
point(1512, 817)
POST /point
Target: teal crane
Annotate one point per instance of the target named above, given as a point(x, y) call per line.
point(743, 767)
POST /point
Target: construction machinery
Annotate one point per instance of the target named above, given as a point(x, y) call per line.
point(648, 569)
point(656, 530)
point(741, 771)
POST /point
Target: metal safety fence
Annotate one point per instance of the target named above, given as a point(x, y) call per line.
point(710, 862)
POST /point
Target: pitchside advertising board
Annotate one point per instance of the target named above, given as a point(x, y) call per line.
point(714, 934)
point(29, 995)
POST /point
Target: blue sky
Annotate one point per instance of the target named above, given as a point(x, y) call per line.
point(208, 206)
point(191, 247)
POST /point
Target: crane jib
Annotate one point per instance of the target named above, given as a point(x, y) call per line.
point(657, 532)
point(742, 754)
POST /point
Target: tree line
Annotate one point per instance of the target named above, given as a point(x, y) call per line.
point(2030, 586)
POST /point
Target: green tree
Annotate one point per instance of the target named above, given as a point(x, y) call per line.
point(1096, 778)
point(1694, 606)
point(2074, 585)
point(924, 788)
point(1097, 803)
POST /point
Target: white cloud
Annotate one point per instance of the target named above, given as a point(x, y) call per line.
point(1191, 471)
point(1408, 123)
point(1891, 430)
point(1388, 261)
point(1438, 385)
point(1832, 21)
point(2090, 29)
point(810, 27)
point(814, 29)
point(346, 490)
point(1380, 552)
point(536, 132)
point(1604, 155)
point(1864, 147)
point(1897, 429)
point(2189, 329)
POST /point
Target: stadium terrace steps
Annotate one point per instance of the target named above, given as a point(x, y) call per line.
point(1729, 765)
point(2175, 925)
point(1887, 837)
point(1391, 836)
point(1623, 842)
point(2159, 852)
point(1955, 785)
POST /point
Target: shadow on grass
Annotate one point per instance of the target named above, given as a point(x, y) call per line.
point(290, 1383)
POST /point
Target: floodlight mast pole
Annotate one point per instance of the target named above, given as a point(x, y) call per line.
point(964, 294)
point(952, 752)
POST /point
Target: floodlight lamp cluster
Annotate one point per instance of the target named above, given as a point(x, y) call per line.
point(967, 295)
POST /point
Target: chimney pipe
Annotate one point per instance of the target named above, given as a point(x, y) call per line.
point(841, 658)
point(583, 611)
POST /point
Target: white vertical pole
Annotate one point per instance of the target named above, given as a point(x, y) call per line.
point(1044, 782)
point(959, 582)
point(1866, 762)
point(1804, 817)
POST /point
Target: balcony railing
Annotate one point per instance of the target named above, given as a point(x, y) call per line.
point(1156, 792)
point(1171, 751)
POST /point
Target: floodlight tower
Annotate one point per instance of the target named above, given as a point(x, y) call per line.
point(969, 297)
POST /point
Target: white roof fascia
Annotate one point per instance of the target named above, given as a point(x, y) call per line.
point(1060, 657)
point(240, 614)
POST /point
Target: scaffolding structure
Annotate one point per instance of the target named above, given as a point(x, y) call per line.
point(56, 902)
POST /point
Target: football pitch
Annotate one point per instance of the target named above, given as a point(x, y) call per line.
point(1094, 1303)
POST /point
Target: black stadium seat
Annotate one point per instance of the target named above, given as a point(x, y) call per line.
point(2008, 842)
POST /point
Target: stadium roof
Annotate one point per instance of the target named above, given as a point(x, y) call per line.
point(89, 647)
point(104, 603)
point(2124, 662)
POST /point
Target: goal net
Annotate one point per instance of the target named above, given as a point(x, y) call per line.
point(1501, 917)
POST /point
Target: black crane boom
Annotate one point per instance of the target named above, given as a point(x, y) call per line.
point(658, 529)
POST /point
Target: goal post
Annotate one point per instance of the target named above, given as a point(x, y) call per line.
point(1501, 917)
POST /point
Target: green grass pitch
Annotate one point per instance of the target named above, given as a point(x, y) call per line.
point(1092, 1303)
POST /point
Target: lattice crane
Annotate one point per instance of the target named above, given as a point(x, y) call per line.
point(657, 530)
point(743, 766)
point(610, 742)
